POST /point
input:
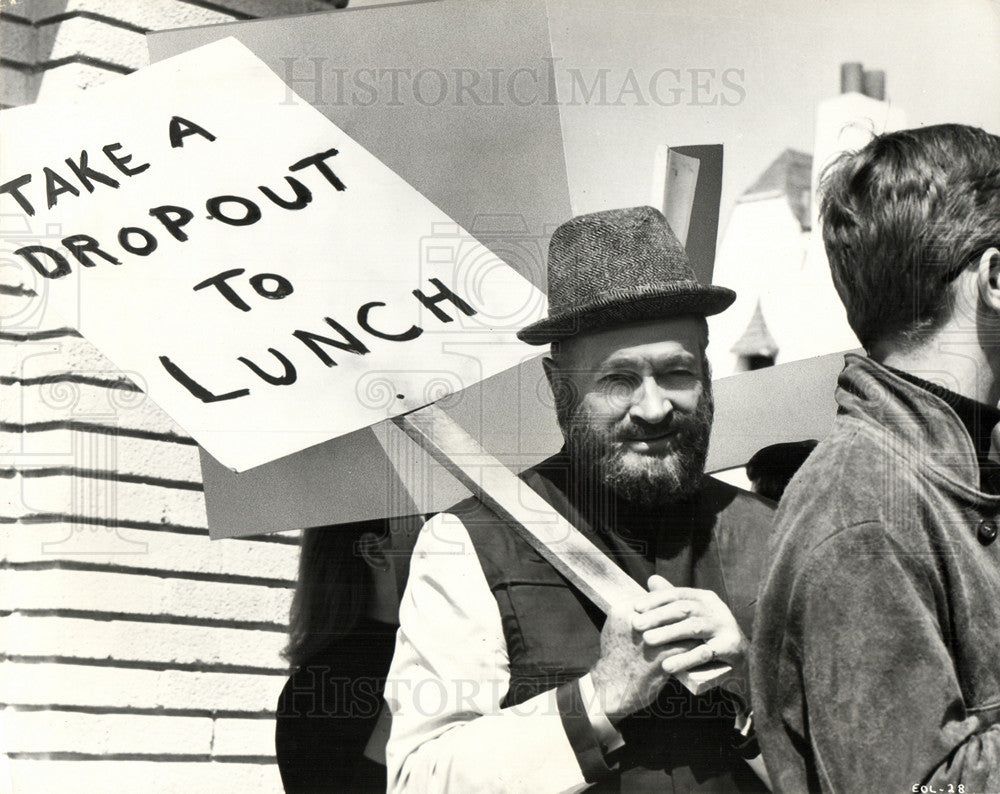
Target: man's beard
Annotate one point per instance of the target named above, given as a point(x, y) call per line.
point(646, 480)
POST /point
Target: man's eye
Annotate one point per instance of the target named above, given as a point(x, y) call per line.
point(619, 386)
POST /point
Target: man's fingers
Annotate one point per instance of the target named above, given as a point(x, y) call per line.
point(697, 594)
point(662, 652)
point(696, 657)
point(994, 453)
point(654, 599)
point(665, 594)
point(688, 629)
point(662, 615)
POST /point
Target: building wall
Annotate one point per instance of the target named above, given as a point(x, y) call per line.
point(767, 258)
point(761, 257)
point(137, 655)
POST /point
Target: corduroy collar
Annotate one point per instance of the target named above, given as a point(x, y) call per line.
point(920, 423)
point(979, 420)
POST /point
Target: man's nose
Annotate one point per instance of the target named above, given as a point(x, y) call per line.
point(650, 402)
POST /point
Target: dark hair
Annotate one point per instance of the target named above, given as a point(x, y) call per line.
point(772, 468)
point(333, 588)
point(901, 219)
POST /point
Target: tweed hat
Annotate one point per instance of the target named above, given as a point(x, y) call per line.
point(615, 268)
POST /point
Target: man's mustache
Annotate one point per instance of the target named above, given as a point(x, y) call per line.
point(629, 430)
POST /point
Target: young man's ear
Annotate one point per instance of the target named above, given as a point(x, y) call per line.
point(988, 278)
point(372, 552)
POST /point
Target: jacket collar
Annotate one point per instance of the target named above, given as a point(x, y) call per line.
point(918, 422)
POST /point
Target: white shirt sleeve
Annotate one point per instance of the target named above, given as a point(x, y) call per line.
point(448, 676)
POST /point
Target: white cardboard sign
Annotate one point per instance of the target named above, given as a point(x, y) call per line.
point(265, 279)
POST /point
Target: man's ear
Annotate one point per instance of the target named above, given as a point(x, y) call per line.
point(372, 552)
point(988, 278)
point(551, 371)
point(564, 390)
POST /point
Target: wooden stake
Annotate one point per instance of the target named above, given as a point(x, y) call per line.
point(589, 569)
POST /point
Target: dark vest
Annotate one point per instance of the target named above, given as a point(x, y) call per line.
point(716, 541)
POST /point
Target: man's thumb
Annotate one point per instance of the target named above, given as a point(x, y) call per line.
point(995, 444)
point(657, 582)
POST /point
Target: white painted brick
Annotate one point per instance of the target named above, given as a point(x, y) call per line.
point(131, 777)
point(19, 41)
point(25, 314)
point(38, 359)
point(48, 402)
point(121, 501)
point(158, 549)
point(15, 356)
point(129, 455)
point(80, 36)
point(67, 731)
point(227, 691)
point(152, 14)
point(144, 595)
point(8, 499)
point(269, 604)
point(142, 642)
point(21, 313)
point(243, 737)
point(269, 8)
point(37, 9)
point(17, 88)
point(81, 685)
point(65, 82)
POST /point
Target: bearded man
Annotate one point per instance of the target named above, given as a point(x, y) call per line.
point(505, 678)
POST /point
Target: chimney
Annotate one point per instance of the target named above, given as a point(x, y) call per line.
point(855, 79)
point(851, 78)
point(874, 84)
point(847, 121)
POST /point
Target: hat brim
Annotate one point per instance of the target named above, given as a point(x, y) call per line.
point(635, 306)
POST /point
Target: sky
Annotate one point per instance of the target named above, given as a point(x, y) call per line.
point(942, 62)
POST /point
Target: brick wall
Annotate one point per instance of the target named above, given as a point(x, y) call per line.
point(136, 654)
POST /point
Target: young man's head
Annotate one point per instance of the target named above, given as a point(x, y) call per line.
point(902, 219)
point(628, 369)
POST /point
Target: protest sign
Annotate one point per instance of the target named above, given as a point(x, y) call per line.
point(457, 98)
point(787, 402)
point(266, 280)
point(485, 155)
